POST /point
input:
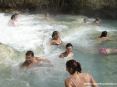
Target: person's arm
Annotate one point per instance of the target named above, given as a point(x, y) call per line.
point(45, 60)
point(114, 50)
point(62, 55)
point(67, 83)
point(53, 42)
point(93, 82)
point(42, 59)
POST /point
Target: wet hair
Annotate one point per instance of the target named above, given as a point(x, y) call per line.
point(69, 45)
point(14, 16)
point(103, 34)
point(54, 33)
point(73, 66)
point(29, 53)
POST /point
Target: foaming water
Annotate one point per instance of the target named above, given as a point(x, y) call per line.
point(33, 32)
point(27, 34)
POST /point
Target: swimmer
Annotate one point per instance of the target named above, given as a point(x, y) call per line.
point(77, 78)
point(85, 20)
point(30, 60)
point(97, 21)
point(107, 51)
point(56, 40)
point(13, 19)
point(69, 51)
point(103, 36)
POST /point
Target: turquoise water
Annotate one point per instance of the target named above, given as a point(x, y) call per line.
point(33, 32)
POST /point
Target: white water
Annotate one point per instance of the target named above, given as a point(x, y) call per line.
point(27, 34)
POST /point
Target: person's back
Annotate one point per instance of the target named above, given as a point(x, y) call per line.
point(81, 80)
point(77, 78)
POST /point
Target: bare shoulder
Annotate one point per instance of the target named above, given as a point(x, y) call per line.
point(67, 79)
point(87, 75)
point(68, 82)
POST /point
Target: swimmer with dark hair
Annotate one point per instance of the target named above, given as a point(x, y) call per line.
point(56, 40)
point(77, 78)
point(69, 51)
point(104, 36)
point(14, 16)
point(13, 19)
point(31, 60)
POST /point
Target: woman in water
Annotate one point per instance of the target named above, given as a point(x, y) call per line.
point(103, 36)
point(13, 19)
point(31, 60)
point(69, 51)
point(77, 78)
point(56, 40)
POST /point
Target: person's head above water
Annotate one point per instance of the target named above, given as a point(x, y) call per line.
point(103, 34)
point(69, 45)
point(14, 16)
point(55, 35)
point(68, 51)
point(28, 59)
point(73, 66)
point(29, 54)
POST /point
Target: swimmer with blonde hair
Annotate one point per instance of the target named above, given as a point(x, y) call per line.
point(104, 36)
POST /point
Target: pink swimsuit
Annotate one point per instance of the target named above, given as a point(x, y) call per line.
point(103, 51)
